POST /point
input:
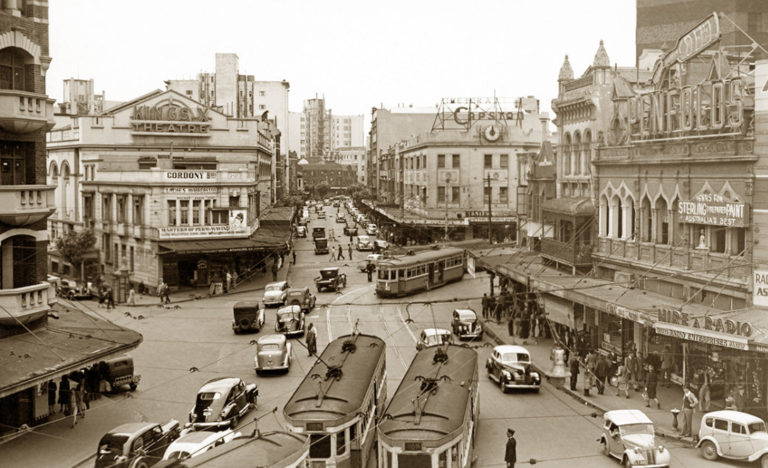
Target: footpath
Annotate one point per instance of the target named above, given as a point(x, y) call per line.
point(669, 397)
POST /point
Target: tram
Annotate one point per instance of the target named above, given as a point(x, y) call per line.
point(432, 418)
point(340, 401)
point(425, 270)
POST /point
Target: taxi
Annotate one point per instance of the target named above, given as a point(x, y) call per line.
point(734, 435)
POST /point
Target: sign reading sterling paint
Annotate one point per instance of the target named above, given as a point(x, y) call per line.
point(760, 293)
point(713, 210)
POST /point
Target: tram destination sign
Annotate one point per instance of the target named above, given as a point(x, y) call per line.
point(712, 210)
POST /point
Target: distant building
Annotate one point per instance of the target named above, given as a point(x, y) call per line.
point(317, 134)
point(80, 98)
point(337, 177)
point(354, 156)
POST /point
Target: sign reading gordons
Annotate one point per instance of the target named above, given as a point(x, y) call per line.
point(170, 118)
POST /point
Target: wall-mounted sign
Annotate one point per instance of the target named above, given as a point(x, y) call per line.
point(480, 214)
point(169, 118)
point(177, 232)
point(716, 324)
point(760, 293)
point(238, 220)
point(712, 210)
point(190, 190)
point(196, 176)
point(692, 44)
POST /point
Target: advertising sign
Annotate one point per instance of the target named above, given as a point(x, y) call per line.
point(195, 176)
point(238, 221)
point(471, 266)
point(760, 293)
point(712, 210)
point(190, 190)
point(170, 117)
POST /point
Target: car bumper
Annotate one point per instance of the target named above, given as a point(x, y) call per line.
point(273, 302)
point(206, 426)
point(465, 336)
point(514, 385)
point(269, 368)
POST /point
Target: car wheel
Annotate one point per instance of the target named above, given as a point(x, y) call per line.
point(764, 461)
point(627, 463)
point(501, 385)
point(133, 386)
point(140, 463)
point(606, 450)
point(71, 295)
point(235, 419)
point(709, 451)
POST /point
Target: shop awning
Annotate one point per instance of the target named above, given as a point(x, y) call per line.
point(559, 310)
point(209, 246)
point(581, 206)
point(702, 335)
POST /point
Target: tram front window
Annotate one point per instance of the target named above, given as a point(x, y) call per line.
point(320, 446)
point(421, 460)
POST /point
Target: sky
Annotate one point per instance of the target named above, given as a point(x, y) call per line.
point(359, 54)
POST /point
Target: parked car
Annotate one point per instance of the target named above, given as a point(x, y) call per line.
point(248, 316)
point(734, 435)
point(321, 215)
point(330, 278)
point(510, 366)
point(350, 231)
point(318, 232)
point(302, 298)
point(221, 403)
point(362, 265)
point(274, 293)
point(464, 324)
point(273, 352)
point(372, 230)
point(433, 337)
point(364, 243)
point(119, 372)
point(289, 321)
point(380, 245)
point(136, 444)
point(301, 231)
point(197, 443)
point(628, 435)
point(340, 218)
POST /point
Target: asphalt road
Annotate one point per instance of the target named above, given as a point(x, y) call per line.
point(551, 428)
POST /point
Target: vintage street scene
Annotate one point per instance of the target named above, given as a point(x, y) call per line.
point(346, 234)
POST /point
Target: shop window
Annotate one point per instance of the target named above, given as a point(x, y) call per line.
point(488, 161)
point(195, 212)
point(184, 212)
point(441, 194)
point(12, 69)
point(717, 239)
point(138, 202)
point(171, 212)
point(440, 161)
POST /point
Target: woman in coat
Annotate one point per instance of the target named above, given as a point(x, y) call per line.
point(650, 387)
point(64, 394)
point(51, 397)
point(623, 376)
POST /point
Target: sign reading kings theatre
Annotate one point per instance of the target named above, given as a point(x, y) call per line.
point(170, 118)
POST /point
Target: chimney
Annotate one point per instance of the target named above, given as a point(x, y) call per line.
point(544, 118)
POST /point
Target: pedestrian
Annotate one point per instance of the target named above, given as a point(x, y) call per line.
point(667, 362)
point(311, 340)
point(601, 372)
point(274, 270)
point(166, 294)
point(630, 363)
point(142, 289)
point(333, 253)
point(689, 403)
point(341, 253)
point(229, 280)
point(590, 363)
point(349, 250)
point(51, 397)
point(369, 269)
point(484, 302)
point(510, 456)
point(131, 297)
point(80, 394)
point(73, 401)
point(235, 276)
point(641, 365)
point(294, 257)
point(161, 290)
point(102, 296)
point(623, 376)
point(525, 326)
point(280, 264)
point(110, 298)
point(64, 394)
point(704, 392)
point(651, 380)
point(574, 368)
point(740, 399)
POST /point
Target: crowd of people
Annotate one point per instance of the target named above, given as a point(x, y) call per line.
point(76, 390)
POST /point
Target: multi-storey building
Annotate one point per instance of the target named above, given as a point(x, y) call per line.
point(337, 176)
point(318, 134)
point(32, 351)
point(241, 96)
point(172, 189)
point(346, 131)
point(80, 98)
point(353, 156)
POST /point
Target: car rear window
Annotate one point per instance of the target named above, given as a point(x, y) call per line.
point(297, 293)
point(206, 396)
point(721, 425)
point(270, 347)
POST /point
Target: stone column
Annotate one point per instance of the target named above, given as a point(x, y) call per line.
point(625, 221)
point(129, 209)
point(654, 224)
point(178, 212)
point(611, 219)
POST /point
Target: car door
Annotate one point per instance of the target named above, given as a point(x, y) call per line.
point(741, 445)
point(496, 364)
point(239, 396)
point(617, 445)
point(158, 442)
point(720, 434)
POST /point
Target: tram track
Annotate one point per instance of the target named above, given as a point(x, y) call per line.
point(394, 346)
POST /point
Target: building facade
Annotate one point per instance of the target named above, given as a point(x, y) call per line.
point(337, 176)
point(319, 134)
point(172, 190)
point(354, 156)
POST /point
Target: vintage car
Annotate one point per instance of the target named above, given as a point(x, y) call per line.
point(341, 218)
point(364, 243)
point(136, 444)
point(464, 324)
point(318, 232)
point(321, 214)
point(248, 316)
point(302, 298)
point(372, 230)
point(510, 366)
point(274, 293)
point(321, 245)
point(196, 443)
point(362, 265)
point(221, 403)
point(301, 231)
point(119, 372)
point(330, 278)
point(273, 352)
point(290, 321)
point(433, 337)
point(350, 231)
point(380, 245)
point(628, 435)
point(303, 222)
point(734, 435)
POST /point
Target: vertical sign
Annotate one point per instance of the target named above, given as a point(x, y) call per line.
point(760, 288)
point(471, 266)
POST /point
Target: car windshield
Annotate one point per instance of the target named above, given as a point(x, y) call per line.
point(438, 339)
point(273, 287)
point(515, 357)
point(288, 316)
point(757, 427)
point(467, 316)
point(270, 347)
point(295, 293)
point(177, 456)
point(628, 429)
point(112, 443)
point(329, 273)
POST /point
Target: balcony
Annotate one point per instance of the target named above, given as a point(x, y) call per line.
point(25, 112)
point(576, 256)
point(22, 205)
point(26, 304)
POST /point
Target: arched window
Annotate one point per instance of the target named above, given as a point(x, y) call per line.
point(629, 218)
point(12, 62)
point(576, 150)
point(662, 221)
point(646, 220)
point(53, 172)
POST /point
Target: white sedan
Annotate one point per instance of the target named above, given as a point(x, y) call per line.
point(193, 444)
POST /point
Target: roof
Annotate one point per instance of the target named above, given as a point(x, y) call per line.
point(737, 416)
point(293, 309)
point(278, 215)
point(222, 383)
point(262, 239)
point(570, 206)
point(276, 283)
point(443, 409)
point(342, 398)
point(330, 269)
point(246, 305)
point(601, 57)
point(425, 256)
point(466, 312)
point(622, 88)
point(436, 331)
point(628, 416)
point(131, 428)
point(197, 437)
point(566, 71)
point(297, 289)
point(511, 349)
point(273, 338)
point(277, 449)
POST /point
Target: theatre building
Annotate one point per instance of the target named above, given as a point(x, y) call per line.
point(173, 190)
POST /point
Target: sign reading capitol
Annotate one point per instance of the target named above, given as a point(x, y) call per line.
point(170, 118)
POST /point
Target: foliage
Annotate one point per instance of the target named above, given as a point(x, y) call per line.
point(75, 244)
point(290, 200)
point(321, 189)
point(359, 192)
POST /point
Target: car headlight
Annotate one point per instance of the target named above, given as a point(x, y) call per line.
point(637, 450)
point(661, 448)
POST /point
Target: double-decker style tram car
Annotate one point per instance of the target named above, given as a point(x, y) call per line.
point(432, 418)
point(425, 270)
point(340, 401)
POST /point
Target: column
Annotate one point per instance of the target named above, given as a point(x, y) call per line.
point(178, 212)
point(113, 197)
point(603, 214)
point(202, 212)
point(129, 209)
point(654, 224)
point(611, 218)
point(625, 221)
point(190, 209)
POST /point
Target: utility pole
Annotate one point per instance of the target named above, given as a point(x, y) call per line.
point(446, 214)
point(490, 195)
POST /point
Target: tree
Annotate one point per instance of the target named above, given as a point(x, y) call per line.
point(359, 192)
point(74, 245)
point(322, 189)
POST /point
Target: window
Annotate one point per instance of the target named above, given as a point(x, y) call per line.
point(137, 208)
point(487, 194)
point(440, 160)
point(12, 69)
point(504, 161)
point(12, 159)
point(171, 212)
point(424, 162)
point(106, 208)
point(147, 163)
point(717, 239)
point(455, 195)
point(488, 161)
point(456, 161)
point(189, 93)
point(262, 107)
point(738, 240)
point(319, 446)
point(219, 216)
point(264, 93)
point(341, 442)
point(418, 162)
point(737, 428)
point(195, 212)
point(106, 245)
point(503, 195)
point(121, 208)
point(441, 194)
point(721, 425)
point(88, 206)
point(184, 209)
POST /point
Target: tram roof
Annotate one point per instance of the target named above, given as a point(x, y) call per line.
point(421, 257)
point(340, 398)
point(443, 413)
point(270, 449)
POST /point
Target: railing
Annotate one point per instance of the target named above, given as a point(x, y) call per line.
point(22, 205)
point(566, 252)
point(24, 112)
point(23, 305)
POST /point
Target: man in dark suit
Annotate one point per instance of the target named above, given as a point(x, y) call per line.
point(511, 453)
point(601, 372)
point(574, 371)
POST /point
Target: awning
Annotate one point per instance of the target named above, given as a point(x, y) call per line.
point(581, 206)
point(702, 335)
point(558, 310)
point(209, 246)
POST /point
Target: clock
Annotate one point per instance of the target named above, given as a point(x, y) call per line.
point(492, 133)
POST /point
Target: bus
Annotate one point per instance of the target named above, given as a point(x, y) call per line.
point(340, 401)
point(432, 418)
point(425, 270)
